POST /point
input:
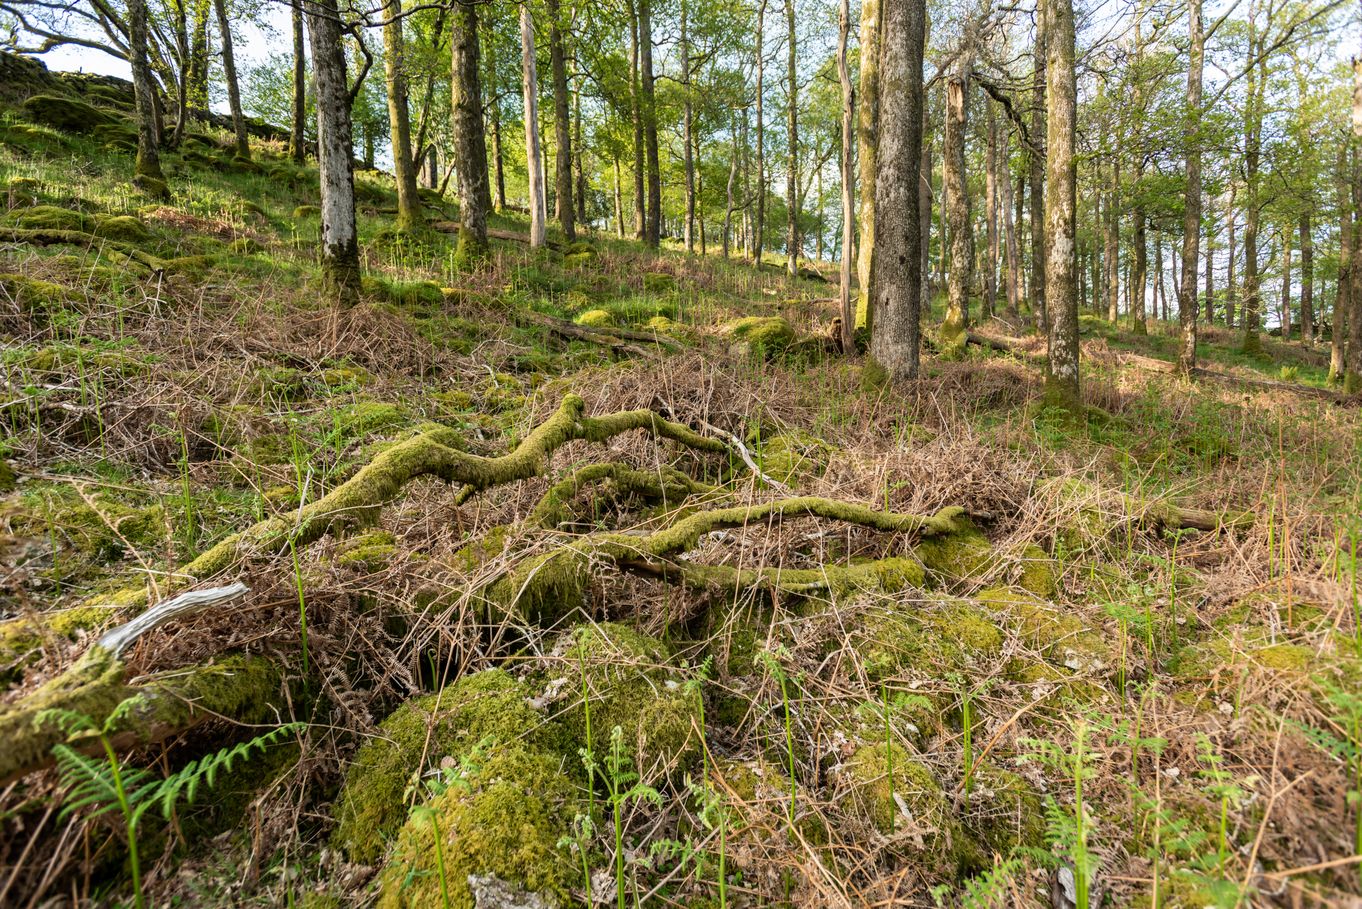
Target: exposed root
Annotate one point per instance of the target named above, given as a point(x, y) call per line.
point(666, 485)
point(79, 238)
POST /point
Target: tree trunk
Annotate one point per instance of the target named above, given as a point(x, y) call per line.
point(636, 110)
point(1061, 294)
point(867, 125)
point(1009, 230)
point(652, 233)
point(792, 172)
point(924, 207)
point(896, 281)
point(335, 155)
point(147, 170)
point(1229, 266)
point(1252, 344)
point(733, 158)
point(956, 193)
point(619, 200)
point(1191, 217)
point(243, 147)
point(1285, 312)
point(404, 168)
point(1037, 171)
point(848, 181)
point(196, 78)
point(1343, 315)
point(494, 123)
point(687, 137)
point(533, 157)
point(579, 160)
point(759, 225)
point(1352, 360)
point(1210, 266)
point(470, 141)
point(990, 214)
point(1307, 281)
point(1112, 242)
point(298, 137)
point(562, 125)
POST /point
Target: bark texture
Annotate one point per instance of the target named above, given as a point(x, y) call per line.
point(404, 167)
point(335, 155)
point(1061, 266)
point(470, 144)
point(243, 146)
point(960, 225)
point(562, 125)
point(533, 157)
point(1191, 218)
point(867, 125)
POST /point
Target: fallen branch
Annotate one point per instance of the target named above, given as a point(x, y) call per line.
point(452, 227)
point(615, 339)
point(79, 238)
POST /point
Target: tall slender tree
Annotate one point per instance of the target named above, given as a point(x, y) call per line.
point(759, 219)
point(147, 168)
point(867, 127)
point(1037, 173)
point(335, 155)
point(792, 119)
point(956, 191)
point(242, 148)
point(1191, 206)
point(399, 119)
point(470, 140)
point(848, 180)
point(297, 146)
point(562, 124)
point(652, 234)
point(1061, 290)
point(533, 156)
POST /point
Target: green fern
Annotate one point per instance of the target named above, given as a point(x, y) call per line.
point(102, 784)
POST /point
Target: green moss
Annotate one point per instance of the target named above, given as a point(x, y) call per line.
point(367, 552)
point(928, 820)
point(1058, 634)
point(580, 260)
point(966, 555)
point(7, 477)
point(629, 685)
point(67, 114)
point(1004, 813)
point(659, 282)
point(280, 383)
point(471, 556)
point(364, 418)
point(874, 377)
point(506, 821)
point(481, 708)
point(794, 456)
point(1038, 573)
point(760, 336)
point(403, 293)
point(1220, 658)
point(100, 530)
point(122, 227)
point(952, 635)
point(303, 212)
point(152, 187)
point(48, 217)
point(245, 246)
point(190, 266)
point(596, 318)
point(33, 296)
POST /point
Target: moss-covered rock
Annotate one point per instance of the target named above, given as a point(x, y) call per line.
point(304, 212)
point(122, 227)
point(485, 708)
point(1004, 811)
point(948, 636)
point(963, 556)
point(152, 187)
point(794, 456)
point(596, 318)
point(762, 337)
point(504, 820)
point(902, 798)
point(580, 254)
point(34, 297)
point(659, 282)
point(1057, 633)
point(403, 293)
point(364, 418)
point(628, 684)
point(68, 114)
point(1039, 573)
point(8, 480)
point(367, 552)
point(48, 217)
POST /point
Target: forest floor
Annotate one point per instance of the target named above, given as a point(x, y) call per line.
point(1119, 658)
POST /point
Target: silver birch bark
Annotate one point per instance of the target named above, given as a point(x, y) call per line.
point(848, 181)
point(533, 158)
point(866, 131)
point(1061, 289)
point(335, 155)
point(1191, 218)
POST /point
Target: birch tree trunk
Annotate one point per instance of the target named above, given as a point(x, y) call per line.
point(848, 181)
point(866, 132)
point(990, 214)
point(1352, 362)
point(470, 140)
point(533, 157)
point(298, 136)
point(147, 169)
point(1111, 237)
point(1210, 266)
point(399, 119)
point(1037, 173)
point(1191, 217)
point(896, 286)
point(735, 155)
point(335, 155)
point(243, 146)
point(957, 209)
point(1009, 232)
point(1061, 292)
point(1284, 313)
point(1307, 281)
point(924, 203)
point(494, 124)
point(1229, 265)
point(1338, 339)
point(562, 125)
point(687, 155)
point(636, 109)
point(792, 171)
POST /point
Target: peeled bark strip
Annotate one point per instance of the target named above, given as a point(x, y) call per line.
point(1061, 289)
point(896, 280)
point(335, 151)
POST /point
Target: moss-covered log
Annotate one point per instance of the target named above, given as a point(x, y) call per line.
point(234, 687)
point(39, 237)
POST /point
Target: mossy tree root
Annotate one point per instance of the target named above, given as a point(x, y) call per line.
point(545, 588)
point(359, 500)
point(235, 687)
point(665, 485)
point(43, 237)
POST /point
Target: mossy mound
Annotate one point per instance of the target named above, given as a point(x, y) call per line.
point(498, 828)
point(486, 707)
point(1061, 637)
point(793, 457)
point(33, 296)
point(122, 227)
point(67, 114)
point(659, 282)
point(580, 254)
point(403, 293)
point(1005, 812)
point(1222, 659)
point(893, 639)
point(152, 187)
point(963, 556)
point(8, 480)
point(367, 552)
point(364, 418)
point(761, 337)
point(100, 530)
point(903, 799)
point(245, 246)
point(596, 318)
point(628, 684)
point(1039, 573)
point(48, 217)
point(303, 212)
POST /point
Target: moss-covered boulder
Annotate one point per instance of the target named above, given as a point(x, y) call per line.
point(627, 683)
point(152, 187)
point(484, 709)
point(33, 296)
point(497, 829)
point(580, 254)
point(1038, 573)
point(892, 639)
point(903, 799)
point(762, 337)
point(304, 212)
point(659, 282)
point(794, 457)
point(1003, 811)
point(962, 556)
point(68, 114)
point(47, 217)
point(1060, 635)
point(128, 228)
